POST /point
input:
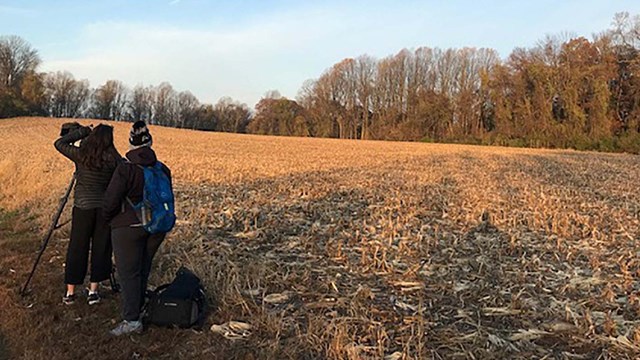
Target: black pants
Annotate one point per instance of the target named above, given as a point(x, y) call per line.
point(134, 249)
point(89, 230)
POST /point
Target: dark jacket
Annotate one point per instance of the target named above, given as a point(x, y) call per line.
point(128, 181)
point(91, 184)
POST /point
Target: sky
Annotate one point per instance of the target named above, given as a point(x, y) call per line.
point(244, 48)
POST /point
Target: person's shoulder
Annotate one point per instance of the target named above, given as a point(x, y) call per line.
point(164, 167)
point(162, 164)
point(114, 162)
point(122, 162)
point(125, 166)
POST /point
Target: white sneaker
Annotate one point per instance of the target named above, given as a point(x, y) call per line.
point(93, 298)
point(68, 299)
point(127, 327)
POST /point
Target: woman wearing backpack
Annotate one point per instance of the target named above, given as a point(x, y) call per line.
point(133, 246)
point(96, 159)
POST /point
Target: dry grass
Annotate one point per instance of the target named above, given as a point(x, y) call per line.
point(396, 250)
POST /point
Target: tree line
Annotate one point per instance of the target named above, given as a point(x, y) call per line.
point(564, 92)
point(25, 92)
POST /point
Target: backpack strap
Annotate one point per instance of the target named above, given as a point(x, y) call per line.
point(130, 202)
point(136, 208)
point(160, 288)
point(150, 294)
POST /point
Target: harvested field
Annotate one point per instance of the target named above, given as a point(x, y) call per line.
point(352, 250)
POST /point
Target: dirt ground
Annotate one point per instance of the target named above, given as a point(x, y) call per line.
point(350, 250)
point(4, 353)
point(39, 326)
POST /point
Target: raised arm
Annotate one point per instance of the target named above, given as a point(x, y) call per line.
point(65, 143)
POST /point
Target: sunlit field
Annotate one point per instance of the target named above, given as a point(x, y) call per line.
point(355, 249)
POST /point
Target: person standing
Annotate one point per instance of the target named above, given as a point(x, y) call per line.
point(133, 246)
point(95, 159)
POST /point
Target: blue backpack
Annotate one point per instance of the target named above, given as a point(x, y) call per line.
point(156, 211)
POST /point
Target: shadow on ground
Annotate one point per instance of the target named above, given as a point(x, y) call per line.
point(372, 261)
point(4, 352)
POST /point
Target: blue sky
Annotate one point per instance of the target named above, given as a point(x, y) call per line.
point(244, 48)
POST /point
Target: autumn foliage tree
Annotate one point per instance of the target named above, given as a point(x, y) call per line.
point(19, 84)
point(109, 101)
point(566, 91)
point(279, 116)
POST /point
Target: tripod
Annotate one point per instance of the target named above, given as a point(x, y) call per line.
point(54, 226)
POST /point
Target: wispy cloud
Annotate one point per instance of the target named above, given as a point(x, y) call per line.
point(241, 62)
point(174, 2)
point(251, 54)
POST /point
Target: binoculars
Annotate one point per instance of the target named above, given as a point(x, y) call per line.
point(69, 127)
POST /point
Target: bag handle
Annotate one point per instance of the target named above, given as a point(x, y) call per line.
point(160, 288)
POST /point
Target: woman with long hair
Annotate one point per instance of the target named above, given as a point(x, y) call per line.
point(96, 158)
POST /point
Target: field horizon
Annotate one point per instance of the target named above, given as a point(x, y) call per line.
point(348, 249)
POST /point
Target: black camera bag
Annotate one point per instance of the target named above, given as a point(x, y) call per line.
point(181, 303)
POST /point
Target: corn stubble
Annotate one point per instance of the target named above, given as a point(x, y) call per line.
point(354, 250)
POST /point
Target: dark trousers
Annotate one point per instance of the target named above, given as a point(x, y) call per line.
point(134, 249)
point(89, 230)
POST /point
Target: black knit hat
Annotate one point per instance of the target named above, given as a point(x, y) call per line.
point(139, 135)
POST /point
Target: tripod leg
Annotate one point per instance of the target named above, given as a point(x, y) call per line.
point(52, 227)
point(113, 281)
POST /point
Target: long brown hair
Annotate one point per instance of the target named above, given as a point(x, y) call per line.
point(98, 150)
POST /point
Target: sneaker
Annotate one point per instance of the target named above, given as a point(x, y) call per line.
point(127, 327)
point(93, 298)
point(69, 299)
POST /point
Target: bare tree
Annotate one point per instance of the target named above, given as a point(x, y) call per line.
point(17, 59)
point(66, 96)
point(141, 103)
point(187, 106)
point(272, 94)
point(626, 29)
point(391, 93)
point(231, 115)
point(204, 118)
point(365, 73)
point(110, 101)
point(164, 106)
